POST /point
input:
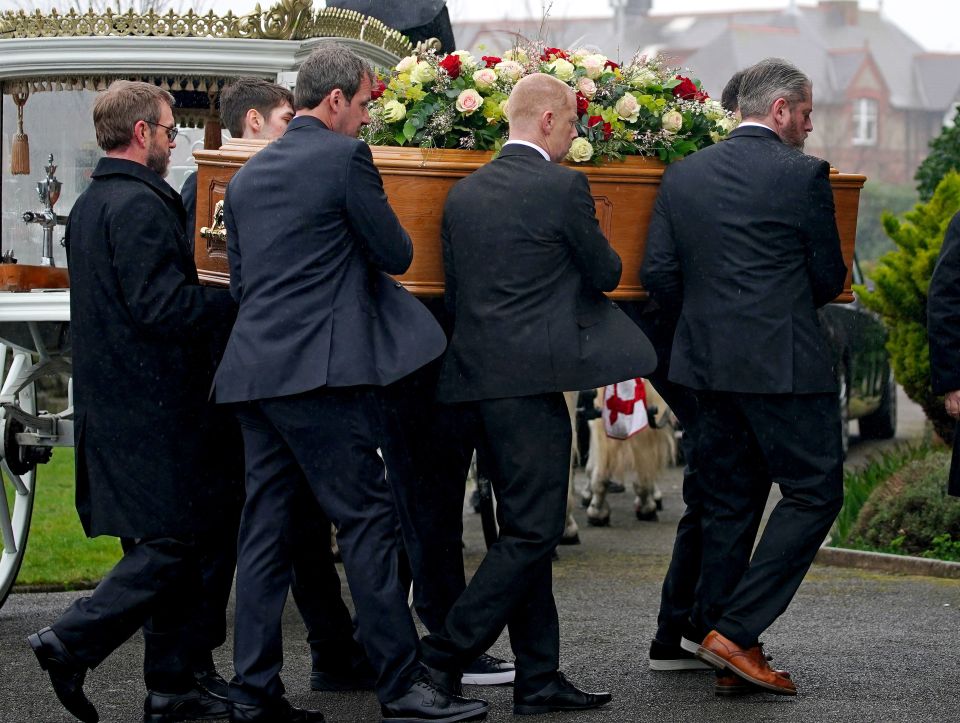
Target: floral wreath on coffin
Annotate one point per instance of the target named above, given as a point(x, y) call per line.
point(639, 108)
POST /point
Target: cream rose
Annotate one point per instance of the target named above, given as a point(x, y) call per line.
point(393, 111)
point(516, 54)
point(587, 87)
point(562, 69)
point(466, 59)
point(643, 78)
point(407, 64)
point(672, 121)
point(485, 78)
point(469, 101)
point(713, 110)
point(728, 123)
point(509, 68)
point(423, 72)
point(594, 65)
point(628, 108)
point(580, 150)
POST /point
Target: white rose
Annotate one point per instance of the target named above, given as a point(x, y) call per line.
point(466, 59)
point(628, 108)
point(672, 121)
point(407, 64)
point(587, 87)
point(469, 101)
point(423, 72)
point(643, 77)
point(594, 65)
point(713, 110)
point(485, 78)
point(580, 150)
point(562, 69)
point(393, 111)
point(516, 54)
point(509, 68)
point(728, 123)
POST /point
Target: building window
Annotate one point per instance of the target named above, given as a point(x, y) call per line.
point(864, 122)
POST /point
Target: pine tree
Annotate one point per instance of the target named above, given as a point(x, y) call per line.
point(902, 280)
point(944, 157)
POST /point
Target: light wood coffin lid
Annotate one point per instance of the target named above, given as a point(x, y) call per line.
point(417, 181)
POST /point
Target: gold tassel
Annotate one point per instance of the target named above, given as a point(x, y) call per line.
point(20, 155)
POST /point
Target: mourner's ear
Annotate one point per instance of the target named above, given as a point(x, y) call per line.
point(140, 133)
point(780, 109)
point(253, 120)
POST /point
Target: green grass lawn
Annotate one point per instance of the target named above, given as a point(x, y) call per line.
point(58, 553)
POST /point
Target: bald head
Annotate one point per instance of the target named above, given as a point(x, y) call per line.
point(543, 110)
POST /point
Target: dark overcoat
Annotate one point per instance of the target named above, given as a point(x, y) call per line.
point(525, 264)
point(943, 330)
point(743, 245)
point(140, 323)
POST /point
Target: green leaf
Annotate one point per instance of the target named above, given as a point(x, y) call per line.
point(409, 130)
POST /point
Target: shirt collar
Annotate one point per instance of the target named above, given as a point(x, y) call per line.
point(542, 152)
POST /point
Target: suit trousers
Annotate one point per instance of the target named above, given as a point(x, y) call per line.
point(154, 586)
point(325, 442)
point(316, 584)
point(745, 441)
point(528, 439)
point(430, 507)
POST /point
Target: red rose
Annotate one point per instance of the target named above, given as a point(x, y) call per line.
point(582, 103)
point(491, 60)
point(701, 96)
point(451, 64)
point(594, 120)
point(610, 64)
point(607, 131)
point(687, 89)
point(555, 52)
point(377, 90)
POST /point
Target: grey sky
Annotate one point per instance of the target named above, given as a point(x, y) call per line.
point(933, 23)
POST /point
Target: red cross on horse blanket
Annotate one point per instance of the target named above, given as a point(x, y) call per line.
point(624, 408)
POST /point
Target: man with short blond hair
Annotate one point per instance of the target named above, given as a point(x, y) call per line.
point(525, 265)
point(140, 326)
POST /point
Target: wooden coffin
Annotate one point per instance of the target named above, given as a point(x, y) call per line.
point(417, 181)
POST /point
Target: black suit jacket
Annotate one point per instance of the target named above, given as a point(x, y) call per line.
point(309, 237)
point(525, 263)
point(140, 327)
point(943, 329)
point(743, 244)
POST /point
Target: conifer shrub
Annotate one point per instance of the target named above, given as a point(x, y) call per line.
point(901, 281)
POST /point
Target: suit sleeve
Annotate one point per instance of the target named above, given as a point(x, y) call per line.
point(660, 272)
point(147, 259)
point(592, 253)
point(943, 314)
point(386, 245)
point(449, 272)
point(818, 228)
point(234, 259)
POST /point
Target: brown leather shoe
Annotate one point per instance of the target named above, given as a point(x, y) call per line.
point(730, 684)
point(749, 664)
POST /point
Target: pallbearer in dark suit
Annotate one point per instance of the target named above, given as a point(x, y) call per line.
point(525, 263)
point(141, 325)
point(743, 241)
point(943, 329)
point(319, 331)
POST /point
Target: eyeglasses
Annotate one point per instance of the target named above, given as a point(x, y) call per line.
point(171, 132)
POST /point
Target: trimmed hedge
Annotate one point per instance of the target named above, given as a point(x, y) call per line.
point(911, 512)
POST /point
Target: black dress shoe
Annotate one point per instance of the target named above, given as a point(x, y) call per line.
point(212, 682)
point(278, 711)
point(425, 702)
point(196, 704)
point(559, 695)
point(450, 682)
point(66, 674)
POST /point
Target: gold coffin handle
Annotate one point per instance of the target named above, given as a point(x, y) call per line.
point(217, 232)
